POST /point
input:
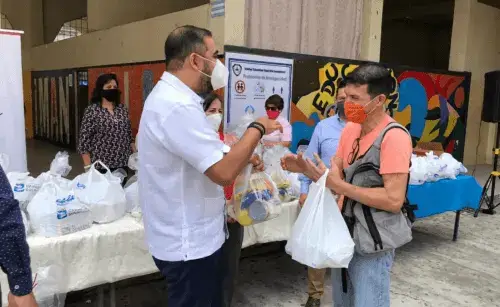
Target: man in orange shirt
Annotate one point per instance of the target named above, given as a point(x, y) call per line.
point(367, 280)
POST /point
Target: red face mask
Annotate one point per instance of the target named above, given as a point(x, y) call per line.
point(272, 114)
point(355, 112)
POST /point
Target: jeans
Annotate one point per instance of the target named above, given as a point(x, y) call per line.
point(193, 283)
point(368, 282)
point(231, 251)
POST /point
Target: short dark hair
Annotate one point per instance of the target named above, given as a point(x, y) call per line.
point(275, 100)
point(183, 41)
point(208, 100)
point(101, 81)
point(341, 83)
point(377, 77)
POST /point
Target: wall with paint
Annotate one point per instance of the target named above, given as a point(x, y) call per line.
point(433, 106)
point(131, 43)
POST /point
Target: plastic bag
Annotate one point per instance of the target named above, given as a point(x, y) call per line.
point(55, 211)
point(452, 167)
point(242, 124)
point(50, 286)
point(24, 187)
point(60, 164)
point(272, 163)
point(26, 223)
point(255, 198)
point(102, 192)
point(133, 161)
point(4, 161)
point(418, 170)
point(320, 238)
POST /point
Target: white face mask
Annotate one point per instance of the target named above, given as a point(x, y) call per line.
point(215, 120)
point(220, 74)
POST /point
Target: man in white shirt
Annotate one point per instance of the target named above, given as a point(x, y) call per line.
point(182, 166)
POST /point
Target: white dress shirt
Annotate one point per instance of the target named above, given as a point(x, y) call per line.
point(183, 210)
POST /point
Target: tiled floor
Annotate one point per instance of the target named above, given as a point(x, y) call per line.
point(430, 271)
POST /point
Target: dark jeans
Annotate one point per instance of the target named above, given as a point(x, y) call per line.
point(194, 283)
point(231, 251)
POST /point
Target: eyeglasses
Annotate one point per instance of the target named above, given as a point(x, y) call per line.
point(353, 155)
point(272, 109)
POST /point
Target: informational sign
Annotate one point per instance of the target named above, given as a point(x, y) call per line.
point(12, 133)
point(253, 79)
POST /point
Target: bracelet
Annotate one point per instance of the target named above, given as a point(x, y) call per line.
point(86, 166)
point(259, 127)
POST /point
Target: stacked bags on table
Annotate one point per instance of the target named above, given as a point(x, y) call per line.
point(432, 168)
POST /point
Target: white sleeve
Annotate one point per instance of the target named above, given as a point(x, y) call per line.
point(189, 135)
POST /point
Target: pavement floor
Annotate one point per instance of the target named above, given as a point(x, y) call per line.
point(432, 270)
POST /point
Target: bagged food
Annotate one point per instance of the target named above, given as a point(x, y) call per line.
point(272, 163)
point(255, 198)
point(242, 124)
point(24, 187)
point(55, 211)
point(132, 188)
point(60, 165)
point(103, 193)
point(49, 286)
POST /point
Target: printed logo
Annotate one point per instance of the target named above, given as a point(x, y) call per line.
point(249, 109)
point(64, 201)
point(80, 186)
point(239, 86)
point(19, 187)
point(61, 214)
point(237, 69)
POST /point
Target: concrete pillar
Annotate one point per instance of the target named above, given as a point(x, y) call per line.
point(372, 30)
point(234, 23)
point(474, 49)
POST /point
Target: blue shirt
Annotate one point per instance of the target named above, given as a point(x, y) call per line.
point(324, 142)
point(14, 250)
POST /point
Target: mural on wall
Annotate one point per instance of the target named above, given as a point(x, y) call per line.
point(432, 106)
point(136, 81)
point(53, 104)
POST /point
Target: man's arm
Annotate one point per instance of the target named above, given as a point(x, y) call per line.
point(389, 198)
point(313, 148)
point(14, 250)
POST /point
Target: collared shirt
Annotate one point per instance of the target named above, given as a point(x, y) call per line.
point(14, 250)
point(324, 142)
point(105, 136)
point(183, 209)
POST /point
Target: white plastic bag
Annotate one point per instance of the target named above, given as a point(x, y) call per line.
point(26, 223)
point(50, 286)
point(4, 161)
point(24, 187)
point(55, 211)
point(320, 238)
point(102, 192)
point(272, 162)
point(60, 165)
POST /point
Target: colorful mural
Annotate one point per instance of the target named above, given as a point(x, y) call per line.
point(432, 106)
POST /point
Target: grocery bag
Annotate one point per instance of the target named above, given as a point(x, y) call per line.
point(320, 238)
point(55, 211)
point(26, 223)
point(255, 198)
point(24, 187)
point(102, 192)
point(49, 286)
point(272, 162)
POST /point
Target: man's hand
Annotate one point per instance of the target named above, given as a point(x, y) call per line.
point(302, 199)
point(22, 301)
point(257, 163)
point(334, 176)
point(270, 125)
point(299, 164)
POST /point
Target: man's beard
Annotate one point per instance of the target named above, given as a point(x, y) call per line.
point(206, 82)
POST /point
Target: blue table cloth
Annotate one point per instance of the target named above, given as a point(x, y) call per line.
point(445, 195)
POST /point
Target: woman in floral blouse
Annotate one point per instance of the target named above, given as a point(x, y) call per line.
point(105, 131)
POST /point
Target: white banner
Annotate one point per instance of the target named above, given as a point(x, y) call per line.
point(12, 133)
point(252, 79)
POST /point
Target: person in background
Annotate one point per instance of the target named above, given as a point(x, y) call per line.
point(324, 142)
point(332, 109)
point(231, 249)
point(368, 276)
point(14, 250)
point(182, 165)
point(105, 131)
point(274, 106)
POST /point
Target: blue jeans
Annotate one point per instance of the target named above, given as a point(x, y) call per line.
point(368, 282)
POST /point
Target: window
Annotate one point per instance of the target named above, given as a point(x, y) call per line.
point(4, 22)
point(72, 29)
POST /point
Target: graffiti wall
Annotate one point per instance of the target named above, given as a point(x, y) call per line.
point(136, 82)
point(54, 106)
point(432, 106)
